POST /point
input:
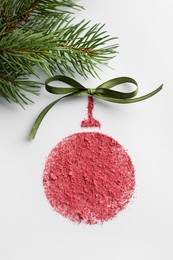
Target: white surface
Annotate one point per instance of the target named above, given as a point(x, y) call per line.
point(29, 228)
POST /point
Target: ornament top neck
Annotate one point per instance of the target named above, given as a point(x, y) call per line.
point(90, 121)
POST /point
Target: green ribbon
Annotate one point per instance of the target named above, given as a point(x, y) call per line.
point(102, 92)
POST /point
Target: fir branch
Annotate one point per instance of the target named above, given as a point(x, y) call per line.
point(72, 44)
point(43, 34)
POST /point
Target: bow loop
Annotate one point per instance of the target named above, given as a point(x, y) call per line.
point(75, 86)
point(117, 81)
point(115, 94)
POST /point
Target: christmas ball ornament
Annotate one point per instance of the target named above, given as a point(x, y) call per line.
point(89, 177)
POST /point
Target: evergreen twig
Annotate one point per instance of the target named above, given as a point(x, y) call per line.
point(43, 33)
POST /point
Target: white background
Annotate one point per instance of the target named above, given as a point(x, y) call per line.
point(29, 228)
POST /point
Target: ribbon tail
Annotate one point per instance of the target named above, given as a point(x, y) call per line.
point(44, 112)
point(148, 95)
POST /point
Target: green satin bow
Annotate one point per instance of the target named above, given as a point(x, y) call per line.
point(102, 92)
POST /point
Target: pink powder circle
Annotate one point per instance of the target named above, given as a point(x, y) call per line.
point(89, 177)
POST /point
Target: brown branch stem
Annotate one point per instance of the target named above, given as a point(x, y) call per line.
point(23, 51)
point(6, 79)
point(76, 48)
point(46, 51)
point(23, 17)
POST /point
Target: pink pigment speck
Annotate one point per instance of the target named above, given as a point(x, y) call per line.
point(89, 177)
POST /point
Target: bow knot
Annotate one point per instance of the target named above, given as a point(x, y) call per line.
point(91, 91)
point(102, 92)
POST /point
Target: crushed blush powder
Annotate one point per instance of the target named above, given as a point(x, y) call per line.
point(89, 177)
